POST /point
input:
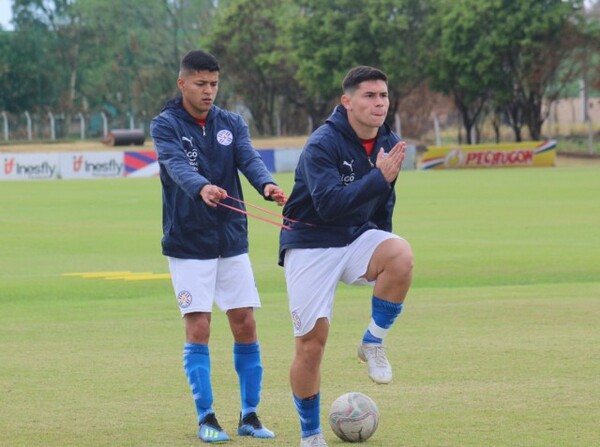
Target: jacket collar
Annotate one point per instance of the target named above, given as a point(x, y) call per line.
point(176, 106)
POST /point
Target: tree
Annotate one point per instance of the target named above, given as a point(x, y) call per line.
point(513, 61)
point(76, 55)
point(5, 64)
point(28, 78)
point(134, 50)
point(589, 57)
point(247, 38)
point(460, 66)
point(400, 29)
point(542, 38)
point(331, 36)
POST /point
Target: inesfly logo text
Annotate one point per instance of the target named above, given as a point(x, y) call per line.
point(110, 167)
point(39, 170)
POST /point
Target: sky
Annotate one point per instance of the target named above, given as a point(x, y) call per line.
point(5, 13)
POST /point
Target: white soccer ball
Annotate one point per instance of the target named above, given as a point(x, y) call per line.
point(354, 417)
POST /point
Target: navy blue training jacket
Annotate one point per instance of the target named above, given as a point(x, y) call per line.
point(337, 189)
point(191, 156)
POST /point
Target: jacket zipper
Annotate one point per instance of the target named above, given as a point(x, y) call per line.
point(369, 156)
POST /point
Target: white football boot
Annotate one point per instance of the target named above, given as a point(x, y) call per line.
point(380, 370)
point(314, 441)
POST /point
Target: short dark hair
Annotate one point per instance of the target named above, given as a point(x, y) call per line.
point(360, 74)
point(198, 60)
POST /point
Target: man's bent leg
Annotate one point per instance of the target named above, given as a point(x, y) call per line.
point(391, 269)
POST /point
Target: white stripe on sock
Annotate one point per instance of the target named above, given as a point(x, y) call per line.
point(377, 331)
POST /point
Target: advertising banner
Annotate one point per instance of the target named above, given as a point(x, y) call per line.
point(37, 166)
point(75, 165)
point(286, 159)
point(141, 164)
point(268, 158)
point(109, 164)
point(506, 155)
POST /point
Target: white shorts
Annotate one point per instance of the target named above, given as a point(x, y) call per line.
point(312, 275)
point(227, 282)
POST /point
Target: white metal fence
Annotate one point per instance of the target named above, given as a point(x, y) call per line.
point(50, 126)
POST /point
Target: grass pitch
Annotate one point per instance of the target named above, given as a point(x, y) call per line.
point(498, 345)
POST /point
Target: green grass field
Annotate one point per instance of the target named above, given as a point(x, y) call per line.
point(499, 344)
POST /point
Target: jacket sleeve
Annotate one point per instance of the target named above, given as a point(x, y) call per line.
point(248, 160)
point(171, 157)
point(331, 198)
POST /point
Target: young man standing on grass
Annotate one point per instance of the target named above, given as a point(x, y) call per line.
point(340, 211)
point(200, 149)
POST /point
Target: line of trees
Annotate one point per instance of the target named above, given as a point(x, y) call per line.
point(498, 61)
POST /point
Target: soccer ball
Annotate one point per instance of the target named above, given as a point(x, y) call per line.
point(354, 417)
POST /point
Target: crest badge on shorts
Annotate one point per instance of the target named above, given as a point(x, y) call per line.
point(296, 320)
point(225, 137)
point(184, 298)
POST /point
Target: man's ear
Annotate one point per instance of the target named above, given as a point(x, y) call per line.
point(346, 102)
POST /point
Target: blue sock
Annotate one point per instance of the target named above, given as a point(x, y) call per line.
point(383, 315)
point(310, 415)
point(196, 364)
point(246, 358)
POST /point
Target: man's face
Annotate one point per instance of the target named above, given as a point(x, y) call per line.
point(199, 90)
point(367, 107)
